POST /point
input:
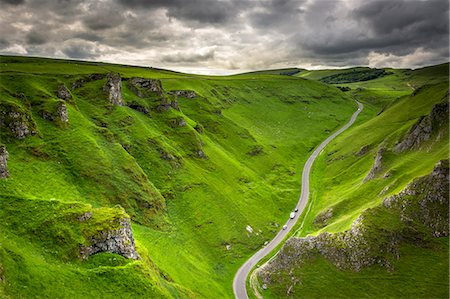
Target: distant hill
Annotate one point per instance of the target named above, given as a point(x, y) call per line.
point(285, 72)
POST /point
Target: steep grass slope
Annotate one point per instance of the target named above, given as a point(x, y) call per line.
point(205, 174)
point(356, 172)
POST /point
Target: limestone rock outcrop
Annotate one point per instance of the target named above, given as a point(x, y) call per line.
point(4, 173)
point(322, 219)
point(145, 87)
point(139, 108)
point(425, 200)
point(118, 240)
point(377, 166)
point(113, 88)
point(62, 113)
point(424, 128)
point(414, 215)
point(363, 150)
point(140, 86)
point(189, 94)
point(17, 121)
point(63, 93)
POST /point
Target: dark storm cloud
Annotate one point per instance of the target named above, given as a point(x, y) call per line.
point(395, 27)
point(385, 16)
point(13, 2)
point(274, 14)
point(80, 50)
point(101, 16)
point(36, 38)
point(230, 34)
point(202, 11)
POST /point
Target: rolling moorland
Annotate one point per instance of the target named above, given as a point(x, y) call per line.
point(202, 170)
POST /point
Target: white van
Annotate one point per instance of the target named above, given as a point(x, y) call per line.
point(292, 215)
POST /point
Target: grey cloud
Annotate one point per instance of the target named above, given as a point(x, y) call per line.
point(188, 57)
point(386, 16)
point(3, 43)
point(89, 36)
point(276, 14)
point(396, 27)
point(80, 50)
point(202, 11)
point(237, 33)
point(13, 2)
point(36, 38)
point(101, 16)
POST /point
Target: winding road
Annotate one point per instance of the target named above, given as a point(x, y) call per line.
point(239, 282)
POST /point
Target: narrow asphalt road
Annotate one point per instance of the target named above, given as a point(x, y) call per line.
point(239, 282)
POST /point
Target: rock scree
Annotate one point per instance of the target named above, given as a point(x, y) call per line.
point(118, 240)
point(113, 87)
point(4, 155)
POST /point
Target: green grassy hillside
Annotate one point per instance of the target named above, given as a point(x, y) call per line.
point(341, 192)
point(191, 179)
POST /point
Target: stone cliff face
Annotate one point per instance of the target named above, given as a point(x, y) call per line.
point(113, 87)
point(424, 128)
point(377, 165)
point(118, 240)
point(63, 93)
point(425, 200)
point(418, 212)
point(62, 113)
point(4, 173)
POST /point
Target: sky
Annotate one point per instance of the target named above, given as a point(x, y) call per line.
point(230, 36)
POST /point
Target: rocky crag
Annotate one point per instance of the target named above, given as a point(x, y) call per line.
point(413, 216)
point(141, 86)
point(148, 88)
point(189, 94)
point(61, 114)
point(16, 121)
point(113, 88)
point(4, 173)
point(377, 166)
point(118, 240)
point(63, 93)
point(424, 128)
